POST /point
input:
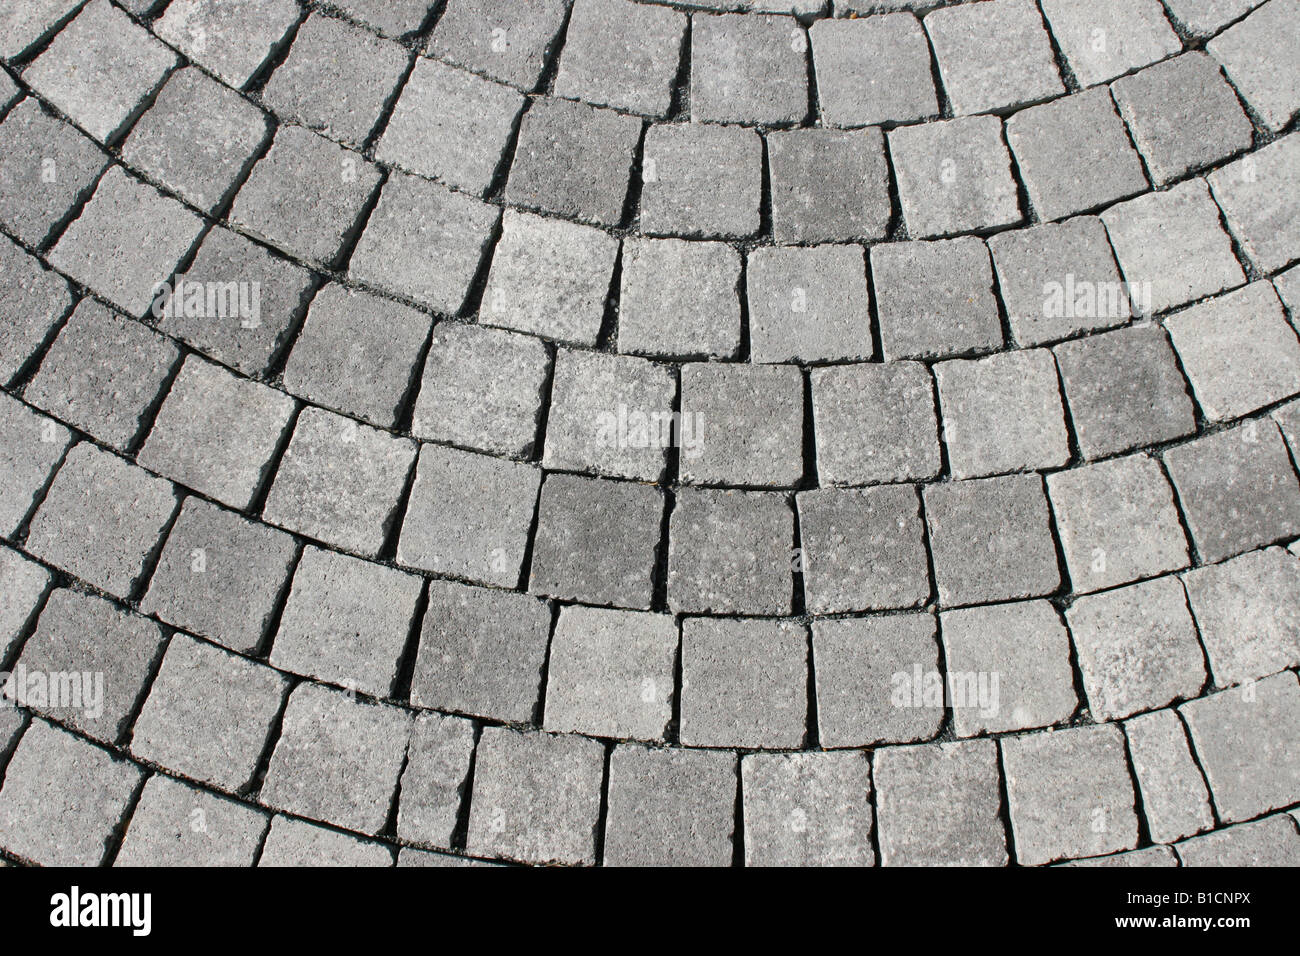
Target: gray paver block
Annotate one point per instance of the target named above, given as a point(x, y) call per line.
point(1152, 856)
point(1205, 17)
point(1272, 841)
point(1259, 56)
point(1258, 194)
point(621, 54)
point(745, 425)
point(679, 299)
point(175, 824)
point(25, 25)
point(508, 40)
point(873, 70)
point(408, 857)
point(701, 180)
point(1104, 40)
point(1174, 799)
point(25, 584)
point(810, 809)
point(32, 447)
point(296, 843)
point(232, 38)
point(391, 18)
point(749, 69)
point(809, 304)
point(433, 780)
point(828, 186)
point(32, 300)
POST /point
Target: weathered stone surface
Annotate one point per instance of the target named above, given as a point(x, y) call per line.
point(1259, 197)
point(434, 778)
point(31, 447)
point(679, 299)
point(232, 38)
point(828, 186)
point(1174, 799)
point(748, 69)
point(296, 843)
point(1103, 41)
point(1272, 841)
point(1258, 54)
point(873, 70)
point(175, 824)
point(508, 40)
point(808, 809)
point(745, 425)
point(701, 180)
point(621, 54)
point(809, 304)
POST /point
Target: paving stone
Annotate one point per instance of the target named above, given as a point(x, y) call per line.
point(939, 805)
point(481, 652)
point(1151, 856)
point(701, 180)
point(670, 808)
point(1008, 667)
point(1251, 767)
point(217, 433)
point(25, 26)
point(198, 138)
point(340, 482)
point(991, 540)
point(46, 168)
point(935, 299)
point(679, 299)
point(597, 541)
point(508, 40)
point(741, 425)
point(451, 125)
point(126, 241)
point(337, 79)
point(868, 688)
point(551, 278)
point(1206, 17)
point(1002, 413)
point(338, 758)
point(434, 778)
point(32, 300)
point(232, 38)
point(573, 161)
point(1238, 351)
point(744, 683)
point(1104, 40)
point(482, 389)
point(621, 54)
point(391, 18)
point(1174, 799)
point(809, 304)
point(1070, 794)
point(875, 423)
point(828, 186)
point(873, 70)
point(1237, 490)
point(536, 797)
point(100, 70)
point(1124, 390)
point(810, 809)
point(357, 353)
point(1183, 115)
point(1272, 841)
point(1258, 196)
point(407, 857)
point(1172, 246)
point(296, 843)
point(11, 725)
point(1288, 289)
point(25, 584)
point(62, 798)
point(610, 673)
point(174, 824)
point(1098, 167)
point(1259, 56)
point(101, 519)
point(216, 736)
point(749, 69)
point(1248, 614)
point(33, 446)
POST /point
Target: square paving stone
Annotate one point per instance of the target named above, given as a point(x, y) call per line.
point(32, 300)
point(1124, 390)
point(742, 425)
point(1117, 522)
point(220, 576)
point(231, 38)
point(451, 125)
point(198, 138)
point(875, 423)
point(873, 70)
point(337, 79)
point(701, 180)
point(25, 584)
point(679, 299)
point(217, 735)
point(217, 433)
point(346, 621)
point(610, 673)
point(551, 278)
point(1248, 614)
point(508, 40)
point(1206, 17)
point(357, 353)
point(33, 446)
point(434, 778)
point(103, 374)
point(1008, 667)
point(296, 843)
point(828, 186)
point(1258, 195)
point(993, 55)
point(1104, 40)
point(809, 304)
point(481, 652)
point(126, 241)
point(811, 809)
point(871, 680)
point(1070, 794)
point(1269, 842)
point(46, 168)
point(744, 683)
point(1237, 490)
point(340, 482)
point(1002, 413)
point(597, 541)
point(991, 540)
point(63, 798)
point(1183, 115)
point(935, 299)
point(536, 797)
point(1174, 799)
point(730, 552)
point(749, 69)
point(306, 196)
point(573, 161)
point(391, 18)
point(101, 519)
point(1259, 56)
point(621, 54)
point(100, 70)
point(954, 176)
point(939, 805)
point(1250, 766)
point(1172, 247)
point(25, 26)
point(175, 825)
point(338, 758)
point(1098, 167)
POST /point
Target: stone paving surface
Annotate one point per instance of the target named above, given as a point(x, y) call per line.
point(634, 432)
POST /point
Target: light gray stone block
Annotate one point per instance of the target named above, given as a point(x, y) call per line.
point(873, 70)
point(33, 446)
point(749, 69)
point(1174, 799)
point(742, 425)
point(701, 180)
point(434, 778)
point(809, 304)
point(231, 38)
point(621, 54)
point(679, 299)
point(1258, 194)
point(1104, 40)
point(175, 824)
point(1259, 56)
point(508, 40)
point(810, 809)
point(829, 186)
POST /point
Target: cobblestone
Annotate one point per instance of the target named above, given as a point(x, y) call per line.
point(1174, 799)
point(508, 40)
point(679, 299)
point(25, 585)
point(33, 447)
point(1258, 54)
point(1258, 196)
point(748, 69)
point(1272, 841)
point(175, 824)
point(1104, 41)
point(701, 180)
point(828, 186)
point(807, 810)
point(748, 425)
point(434, 779)
point(232, 38)
point(296, 843)
point(873, 70)
point(32, 299)
point(809, 304)
point(621, 54)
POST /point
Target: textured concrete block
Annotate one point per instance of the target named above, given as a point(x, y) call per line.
point(1174, 799)
point(296, 843)
point(175, 824)
point(701, 180)
point(434, 778)
point(621, 54)
point(1104, 40)
point(808, 809)
point(33, 446)
point(828, 186)
point(1272, 841)
point(749, 69)
point(508, 40)
point(232, 38)
point(1260, 197)
point(32, 299)
point(25, 585)
point(679, 299)
point(873, 70)
point(1259, 56)
point(746, 422)
point(809, 304)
